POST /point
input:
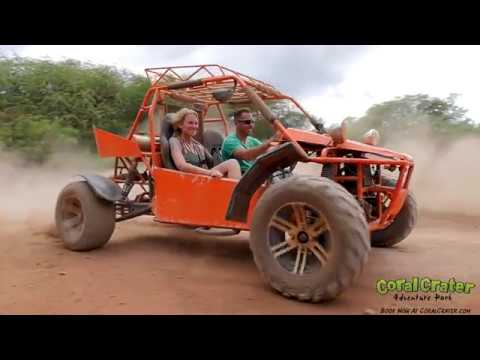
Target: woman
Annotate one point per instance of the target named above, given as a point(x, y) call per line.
point(191, 156)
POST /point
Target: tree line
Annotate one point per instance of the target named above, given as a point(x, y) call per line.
point(44, 104)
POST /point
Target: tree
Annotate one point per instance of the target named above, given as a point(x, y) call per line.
point(403, 116)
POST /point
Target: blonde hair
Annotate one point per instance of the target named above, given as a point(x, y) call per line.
point(180, 117)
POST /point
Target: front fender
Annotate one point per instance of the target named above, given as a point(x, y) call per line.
point(265, 165)
point(103, 187)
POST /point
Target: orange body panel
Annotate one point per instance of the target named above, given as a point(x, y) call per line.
point(309, 137)
point(320, 139)
point(194, 199)
point(358, 146)
point(111, 145)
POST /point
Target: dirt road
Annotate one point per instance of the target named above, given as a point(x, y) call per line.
point(149, 268)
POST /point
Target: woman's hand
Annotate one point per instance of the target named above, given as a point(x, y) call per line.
point(215, 173)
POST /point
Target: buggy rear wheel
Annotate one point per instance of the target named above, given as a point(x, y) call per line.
point(83, 220)
point(309, 238)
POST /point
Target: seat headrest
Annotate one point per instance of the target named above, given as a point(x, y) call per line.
point(170, 117)
point(166, 125)
point(166, 132)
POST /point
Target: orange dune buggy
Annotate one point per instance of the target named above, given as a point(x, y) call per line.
point(310, 235)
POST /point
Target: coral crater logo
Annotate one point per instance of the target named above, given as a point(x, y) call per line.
point(426, 285)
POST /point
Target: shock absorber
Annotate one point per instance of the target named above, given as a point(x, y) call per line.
point(130, 181)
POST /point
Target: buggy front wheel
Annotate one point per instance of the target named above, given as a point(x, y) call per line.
point(309, 238)
point(403, 224)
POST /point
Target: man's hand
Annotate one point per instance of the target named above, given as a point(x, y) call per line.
point(276, 137)
point(253, 153)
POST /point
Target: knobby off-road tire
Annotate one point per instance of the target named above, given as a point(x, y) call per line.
point(403, 224)
point(336, 230)
point(84, 221)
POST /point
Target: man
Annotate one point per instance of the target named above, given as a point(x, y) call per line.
point(242, 147)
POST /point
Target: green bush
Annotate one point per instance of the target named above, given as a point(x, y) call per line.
point(44, 103)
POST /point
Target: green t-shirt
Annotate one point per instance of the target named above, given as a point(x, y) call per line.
point(232, 142)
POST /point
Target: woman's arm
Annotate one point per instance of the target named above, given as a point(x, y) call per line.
point(179, 159)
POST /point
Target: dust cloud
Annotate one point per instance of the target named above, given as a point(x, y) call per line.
point(29, 192)
point(446, 176)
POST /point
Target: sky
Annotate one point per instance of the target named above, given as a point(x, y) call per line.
point(331, 82)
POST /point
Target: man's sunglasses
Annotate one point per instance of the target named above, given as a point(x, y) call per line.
point(246, 122)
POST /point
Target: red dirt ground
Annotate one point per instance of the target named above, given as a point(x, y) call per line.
point(148, 268)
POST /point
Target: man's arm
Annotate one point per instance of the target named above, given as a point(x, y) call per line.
point(253, 153)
